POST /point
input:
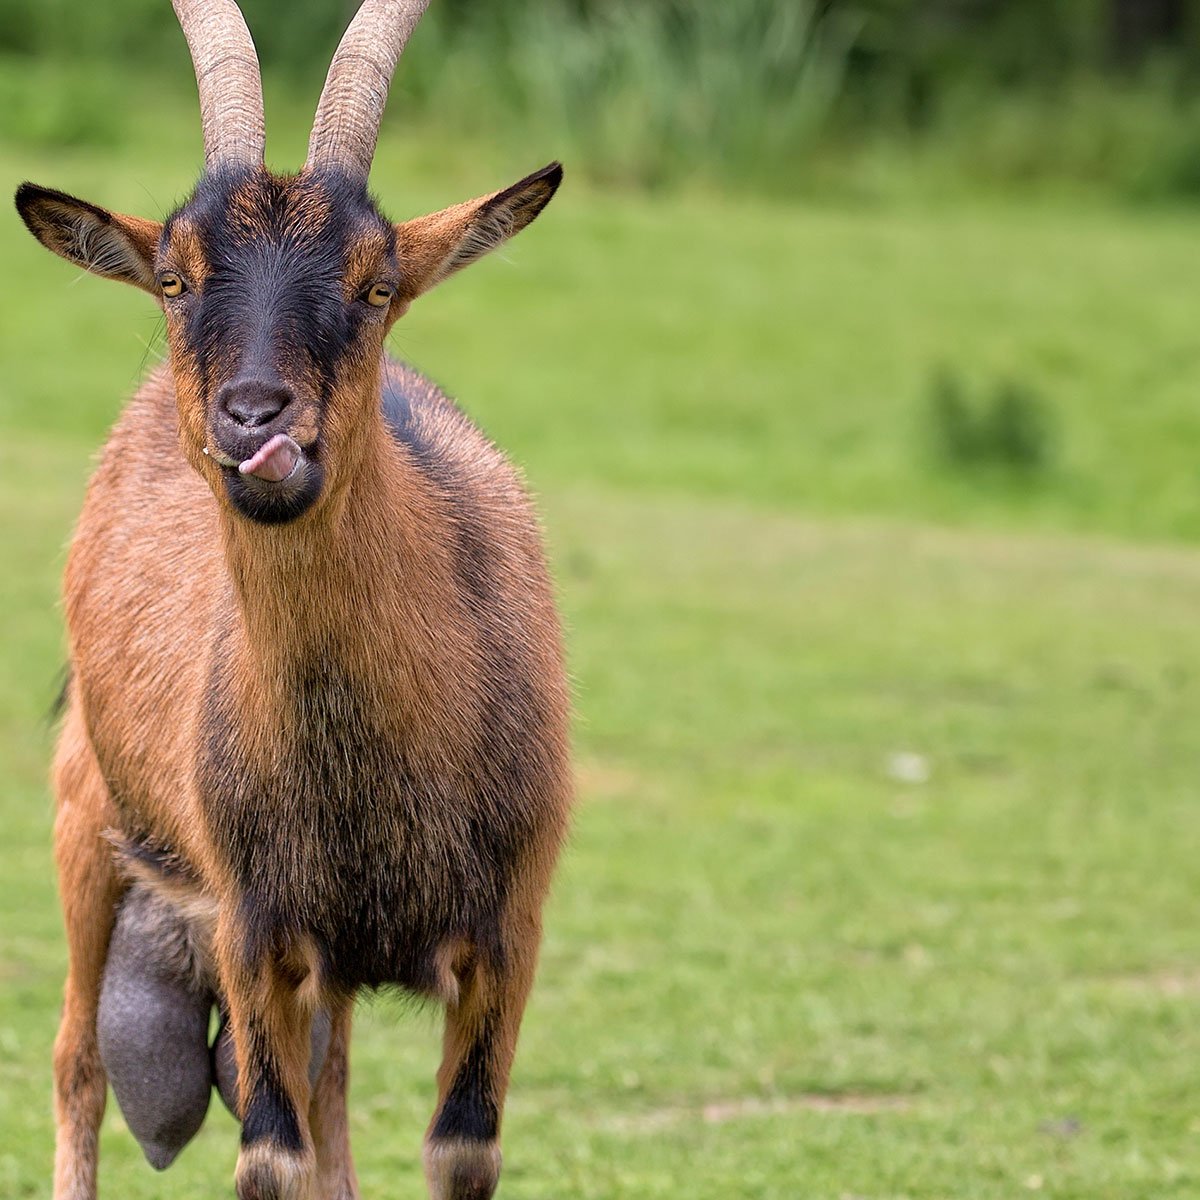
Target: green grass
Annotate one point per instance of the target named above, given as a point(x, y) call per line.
point(773, 968)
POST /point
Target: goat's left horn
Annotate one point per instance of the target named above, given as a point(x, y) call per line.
point(227, 76)
point(346, 127)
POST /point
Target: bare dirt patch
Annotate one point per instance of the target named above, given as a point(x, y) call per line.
point(720, 1112)
point(1174, 982)
point(599, 780)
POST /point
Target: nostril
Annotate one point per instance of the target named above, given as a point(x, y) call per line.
point(254, 402)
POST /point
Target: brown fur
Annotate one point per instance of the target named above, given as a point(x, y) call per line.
point(318, 709)
point(161, 580)
point(347, 734)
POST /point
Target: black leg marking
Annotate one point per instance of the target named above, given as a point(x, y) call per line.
point(270, 1116)
point(470, 1110)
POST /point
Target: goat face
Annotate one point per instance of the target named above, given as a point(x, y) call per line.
point(278, 292)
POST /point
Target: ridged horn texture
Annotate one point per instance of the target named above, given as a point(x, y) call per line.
point(231, 101)
point(346, 126)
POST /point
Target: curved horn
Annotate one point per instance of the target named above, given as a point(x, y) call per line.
point(231, 102)
point(346, 126)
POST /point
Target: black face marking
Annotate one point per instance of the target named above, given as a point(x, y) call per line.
point(277, 249)
point(275, 504)
point(470, 1110)
point(273, 307)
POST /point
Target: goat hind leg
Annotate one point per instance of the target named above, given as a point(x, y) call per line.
point(89, 890)
point(336, 1179)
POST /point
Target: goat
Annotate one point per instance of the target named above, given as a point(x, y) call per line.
point(316, 729)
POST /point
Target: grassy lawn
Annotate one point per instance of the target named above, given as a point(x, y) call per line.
point(884, 875)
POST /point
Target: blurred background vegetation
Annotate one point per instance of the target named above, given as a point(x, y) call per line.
point(779, 97)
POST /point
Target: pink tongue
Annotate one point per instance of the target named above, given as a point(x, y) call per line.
point(275, 459)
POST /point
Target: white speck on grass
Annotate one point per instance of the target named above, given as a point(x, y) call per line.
point(906, 766)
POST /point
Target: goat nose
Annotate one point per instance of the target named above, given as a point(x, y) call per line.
point(254, 402)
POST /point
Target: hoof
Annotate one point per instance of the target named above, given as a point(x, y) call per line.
point(269, 1173)
point(460, 1169)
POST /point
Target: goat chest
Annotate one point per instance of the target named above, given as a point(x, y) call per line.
point(345, 835)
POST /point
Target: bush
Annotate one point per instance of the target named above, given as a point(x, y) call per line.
point(1009, 429)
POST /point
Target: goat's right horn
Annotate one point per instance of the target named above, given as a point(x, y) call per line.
point(227, 76)
point(346, 126)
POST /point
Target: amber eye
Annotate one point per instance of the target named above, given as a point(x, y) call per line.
point(380, 294)
point(171, 284)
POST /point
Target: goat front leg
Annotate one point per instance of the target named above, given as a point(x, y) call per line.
point(271, 1009)
point(462, 1145)
point(336, 1179)
point(89, 888)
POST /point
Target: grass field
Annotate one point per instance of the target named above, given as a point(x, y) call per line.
point(884, 875)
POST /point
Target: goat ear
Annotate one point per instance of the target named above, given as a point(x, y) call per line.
point(436, 246)
point(100, 241)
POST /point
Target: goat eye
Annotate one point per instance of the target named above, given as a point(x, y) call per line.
point(171, 284)
point(379, 294)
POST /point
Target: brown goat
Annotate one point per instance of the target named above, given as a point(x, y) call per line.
point(317, 697)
